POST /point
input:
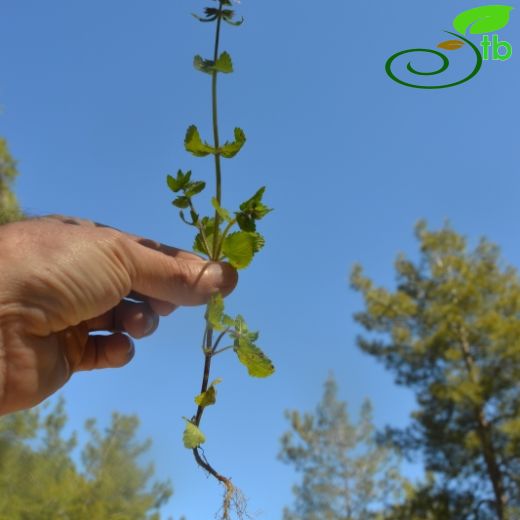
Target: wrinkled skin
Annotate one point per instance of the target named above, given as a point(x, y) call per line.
point(61, 279)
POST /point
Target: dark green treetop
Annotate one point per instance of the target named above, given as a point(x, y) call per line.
point(450, 331)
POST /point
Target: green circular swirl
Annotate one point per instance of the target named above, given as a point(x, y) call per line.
point(442, 68)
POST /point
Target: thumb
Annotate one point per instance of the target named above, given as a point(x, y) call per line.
point(180, 279)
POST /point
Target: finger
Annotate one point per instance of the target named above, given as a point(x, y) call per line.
point(160, 307)
point(177, 280)
point(136, 319)
point(111, 351)
point(147, 242)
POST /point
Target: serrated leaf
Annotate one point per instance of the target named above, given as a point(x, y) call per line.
point(223, 213)
point(203, 65)
point(231, 149)
point(181, 202)
point(193, 188)
point(215, 312)
point(239, 248)
point(208, 225)
point(256, 362)
point(199, 245)
point(484, 19)
point(228, 321)
point(224, 63)
point(193, 143)
point(192, 437)
point(451, 45)
point(208, 397)
point(259, 242)
point(252, 210)
point(254, 200)
point(177, 183)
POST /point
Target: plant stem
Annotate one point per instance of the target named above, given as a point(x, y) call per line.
point(207, 368)
point(222, 350)
point(201, 230)
point(224, 234)
point(219, 339)
point(209, 330)
point(216, 141)
point(208, 346)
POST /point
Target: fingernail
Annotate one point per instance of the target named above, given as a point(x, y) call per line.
point(224, 276)
point(152, 321)
point(131, 349)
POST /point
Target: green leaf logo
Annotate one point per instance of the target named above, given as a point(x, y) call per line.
point(484, 19)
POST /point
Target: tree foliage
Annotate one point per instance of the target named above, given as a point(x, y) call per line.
point(450, 331)
point(9, 209)
point(42, 479)
point(346, 475)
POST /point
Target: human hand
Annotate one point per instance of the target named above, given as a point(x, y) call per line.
point(63, 278)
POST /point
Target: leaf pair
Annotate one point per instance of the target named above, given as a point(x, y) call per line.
point(182, 182)
point(224, 64)
point(194, 144)
point(252, 210)
point(212, 14)
point(244, 341)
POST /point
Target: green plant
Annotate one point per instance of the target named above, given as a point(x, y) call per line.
point(226, 235)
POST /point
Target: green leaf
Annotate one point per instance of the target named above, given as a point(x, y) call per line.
point(208, 225)
point(231, 149)
point(215, 312)
point(252, 210)
point(484, 19)
point(208, 397)
point(203, 65)
point(246, 222)
point(193, 143)
point(258, 242)
point(224, 64)
point(181, 202)
point(177, 183)
point(256, 362)
point(210, 11)
point(223, 213)
point(241, 330)
point(255, 203)
point(239, 248)
point(193, 188)
point(228, 321)
point(192, 437)
point(185, 220)
point(236, 24)
point(200, 19)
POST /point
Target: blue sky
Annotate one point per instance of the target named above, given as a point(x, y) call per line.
point(96, 98)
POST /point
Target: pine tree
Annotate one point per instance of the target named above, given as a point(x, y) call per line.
point(346, 475)
point(40, 478)
point(9, 209)
point(450, 331)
